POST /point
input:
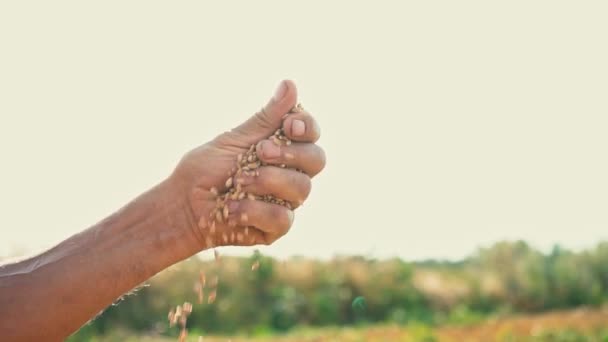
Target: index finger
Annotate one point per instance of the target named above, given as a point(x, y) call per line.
point(301, 127)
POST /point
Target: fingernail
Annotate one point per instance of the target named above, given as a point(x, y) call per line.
point(298, 128)
point(280, 92)
point(233, 206)
point(270, 150)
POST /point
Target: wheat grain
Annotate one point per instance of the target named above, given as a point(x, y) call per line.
point(255, 265)
point(202, 278)
point(202, 223)
point(211, 297)
point(198, 289)
point(214, 281)
point(225, 212)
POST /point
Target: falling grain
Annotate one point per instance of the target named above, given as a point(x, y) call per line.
point(255, 265)
point(211, 297)
point(215, 281)
point(198, 289)
point(202, 278)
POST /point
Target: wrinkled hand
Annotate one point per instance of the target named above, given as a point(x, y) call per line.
point(209, 165)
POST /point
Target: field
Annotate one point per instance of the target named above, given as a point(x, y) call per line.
point(507, 292)
point(578, 325)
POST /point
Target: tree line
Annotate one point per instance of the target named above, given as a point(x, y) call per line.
point(508, 277)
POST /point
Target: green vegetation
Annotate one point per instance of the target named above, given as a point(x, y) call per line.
point(507, 278)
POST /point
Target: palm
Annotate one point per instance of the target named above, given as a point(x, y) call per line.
point(215, 160)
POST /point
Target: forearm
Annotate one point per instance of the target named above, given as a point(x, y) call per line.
point(51, 295)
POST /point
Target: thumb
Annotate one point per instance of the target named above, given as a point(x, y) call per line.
point(269, 119)
point(284, 99)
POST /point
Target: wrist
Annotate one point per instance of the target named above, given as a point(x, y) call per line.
point(180, 222)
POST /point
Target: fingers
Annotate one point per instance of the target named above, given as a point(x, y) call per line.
point(301, 127)
point(259, 222)
point(248, 222)
point(267, 217)
point(309, 158)
point(289, 185)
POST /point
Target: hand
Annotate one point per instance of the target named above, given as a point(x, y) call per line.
point(210, 165)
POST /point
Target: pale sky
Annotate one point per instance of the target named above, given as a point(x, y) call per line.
point(447, 125)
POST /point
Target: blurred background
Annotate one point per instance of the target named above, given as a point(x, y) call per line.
point(465, 191)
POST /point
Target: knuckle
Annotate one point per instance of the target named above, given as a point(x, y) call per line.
point(321, 159)
point(268, 239)
point(276, 212)
point(305, 187)
point(293, 179)
point(315, 131)
point(265, 177)
point(283, 222)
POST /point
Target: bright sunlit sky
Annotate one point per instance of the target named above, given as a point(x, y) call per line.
point(447, 125)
